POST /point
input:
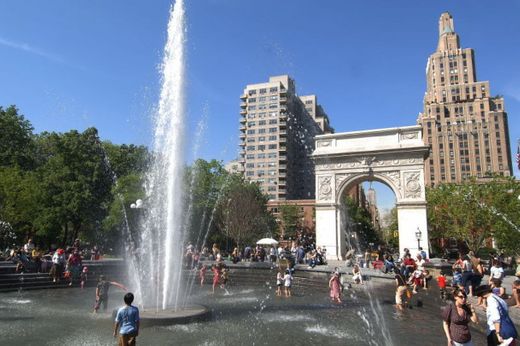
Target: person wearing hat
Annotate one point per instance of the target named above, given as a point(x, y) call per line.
point(500, 328)
point(58, 263)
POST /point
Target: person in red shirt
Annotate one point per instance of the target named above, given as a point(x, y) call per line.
point(409, 265)
point(441, 280)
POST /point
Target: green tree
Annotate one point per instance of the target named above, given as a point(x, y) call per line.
point(361, 222)
point(242, 214)
point(289, 217)
point(76, 184)
point(474, 212)
point(205, 182)
point(20, 199)
point(16, 145)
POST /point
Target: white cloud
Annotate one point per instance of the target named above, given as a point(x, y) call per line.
point(29, 49)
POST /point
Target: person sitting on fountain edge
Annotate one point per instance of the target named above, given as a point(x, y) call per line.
point(127, 322)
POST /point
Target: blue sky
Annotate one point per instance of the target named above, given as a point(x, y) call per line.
point(74, 64)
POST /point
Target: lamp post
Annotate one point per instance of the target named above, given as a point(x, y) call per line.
point(137, 205)
point(418, 234)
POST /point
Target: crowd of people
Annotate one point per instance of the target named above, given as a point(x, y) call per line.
point(61, 263)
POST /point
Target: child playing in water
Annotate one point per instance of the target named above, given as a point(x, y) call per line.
point(224, 278)
point(279, 283)
point(335, 287)
point(216, 276)
point(202, 274)
point(457, 277)
point(288, 282)
point(441, 280)
point(83, 277)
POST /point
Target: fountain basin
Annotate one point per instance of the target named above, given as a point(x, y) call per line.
point(189, 314)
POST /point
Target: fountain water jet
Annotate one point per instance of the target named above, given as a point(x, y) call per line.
point(158, 262)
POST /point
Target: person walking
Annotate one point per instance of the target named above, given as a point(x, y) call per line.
point(456, 317)
point(127, 322)
point(500, 328)
point(335, 287)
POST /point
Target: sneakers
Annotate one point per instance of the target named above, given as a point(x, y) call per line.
point(506, 342)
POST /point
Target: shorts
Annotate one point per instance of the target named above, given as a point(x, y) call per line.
point(399, 295)
point(127, 339)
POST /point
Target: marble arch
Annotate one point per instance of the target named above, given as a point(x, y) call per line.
point(393, 156)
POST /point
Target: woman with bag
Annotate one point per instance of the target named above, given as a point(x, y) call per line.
point(500, 328)
point(456, 317)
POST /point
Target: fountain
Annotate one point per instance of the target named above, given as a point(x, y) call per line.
point(155, 263)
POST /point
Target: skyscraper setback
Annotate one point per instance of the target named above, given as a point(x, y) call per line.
point(277, 130)
point(465, 126)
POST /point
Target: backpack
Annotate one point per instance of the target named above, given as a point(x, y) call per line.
point(507, 328)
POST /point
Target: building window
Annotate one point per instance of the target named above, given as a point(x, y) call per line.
point(263, 91)
point(273, 121)
point(274, 89)
point(251, 108)
point(272, 146)
point(261, 156)
point(273, 138)
point(252, 92)
point(250, 132)
point(261, 122)
point(273, 129)
point(250, 147)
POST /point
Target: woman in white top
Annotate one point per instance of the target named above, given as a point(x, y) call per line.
point(496, 271)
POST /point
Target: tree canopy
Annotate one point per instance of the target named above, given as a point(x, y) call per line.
point(476, 213)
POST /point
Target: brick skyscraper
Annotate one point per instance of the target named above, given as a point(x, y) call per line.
point(465, 126)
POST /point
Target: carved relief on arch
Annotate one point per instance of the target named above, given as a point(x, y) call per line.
point(394, 177)
point(324, 143)
point(340, 178)
point(412, 185)
point(409, 135)
point(325, 188)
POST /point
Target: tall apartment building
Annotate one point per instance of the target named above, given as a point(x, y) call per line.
point(277, 130)
point(465, 126)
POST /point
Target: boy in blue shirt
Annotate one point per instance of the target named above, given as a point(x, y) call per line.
point(127, 321)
